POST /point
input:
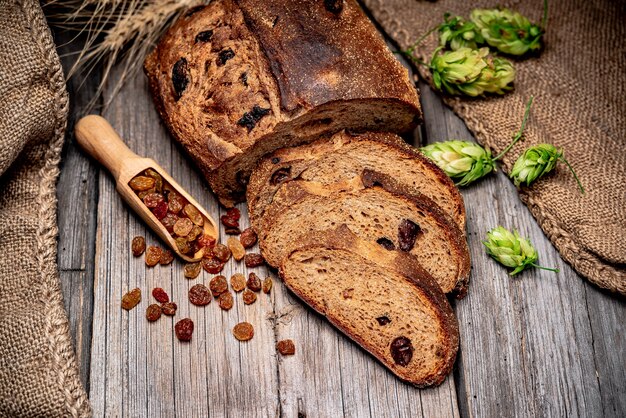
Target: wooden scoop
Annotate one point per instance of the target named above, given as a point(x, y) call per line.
point(98, 138)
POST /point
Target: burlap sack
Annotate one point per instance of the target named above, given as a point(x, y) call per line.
point(580, 104)
point(38, 371)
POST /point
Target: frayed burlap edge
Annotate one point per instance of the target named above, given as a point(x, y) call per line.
point(584, 262)
point(61, 351)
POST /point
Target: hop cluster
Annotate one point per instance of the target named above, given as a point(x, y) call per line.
point(507, 31)
point(463, 161)
point(457, 33)
point(535, 162)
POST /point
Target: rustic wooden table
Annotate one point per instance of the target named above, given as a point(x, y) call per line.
point(540, 344)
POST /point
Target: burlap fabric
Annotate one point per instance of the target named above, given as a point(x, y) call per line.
point(580, 104)
point(38, 371)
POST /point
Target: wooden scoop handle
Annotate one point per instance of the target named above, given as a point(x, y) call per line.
point(98, 138)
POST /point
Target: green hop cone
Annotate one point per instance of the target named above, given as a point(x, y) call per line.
point(537, 161)
point(457, 33)
point(472, 72)
point(507, 31)
point(511, 250)
point(463, 161)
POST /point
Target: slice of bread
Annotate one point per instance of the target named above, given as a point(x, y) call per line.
point(345, 156)
point(376, 209)
point(383, 300)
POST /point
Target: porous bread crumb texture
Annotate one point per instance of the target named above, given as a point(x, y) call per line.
point(352, 292)
point(371, 214)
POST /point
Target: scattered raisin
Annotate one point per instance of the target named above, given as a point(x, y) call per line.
point(280, 175)
point(286, 347)
point(221, 252)
point(383, 320)
point(192, 270)
point(250, 119)
point(204, 36)
point(141, 183)
point(212, 265)
point(249, 297)
point(166, 257)
point(153, 312)
point(248, 238)
point(180, 77)
point(199, 295)
point(183, 227)
point(169, 308)
point(224, 55)
point(131, 299)
point(236, 248)
point(229, 222)
point(334, 6)
point(184, 329)
point(267, 285)
point(232, 231)
point(153, 256)
point(194, 214)
point(243, 331)
point(160, 210)
point(226, 301)
point(218, 285)
point(401, 350)
point(183, 245)
point(234, 213)
point(253, 260)
point(138, 246)
point(407, 234)
point(238, 282)
point(254, 283)
point(386, 243)
point(160, 295)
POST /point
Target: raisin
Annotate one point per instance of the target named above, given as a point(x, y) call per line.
point(232, 231)
point(160, 210)
point(168, 221)
point(244, 79)
point(334, 6)
point(160, 295)
point(183, 227)
point(180, 77)
point(238, 282)
point(184, 329)
point(386, 243)
point(253, 260)
point(138, 246)
point(176, 202)
point(250, 119)
point(212, 265)
point(275, 160)
point(267, 285)
point(153, 256)
point(153, 199)
point(183, 245)
point(229, 222)
point(236, 248)
point(141, 183)
point(249, 297)
point(218, 285)
point(195, 233)
point(286, 347)
point(234, 213)
point(221, 252)
point(194, 214)
point(401, 350)
point(226, 301)
point(280, 175)
point(205, 241)
point(204, 36)
point(145, 193)
point(199, 295)
point(254, 283)
point(407, 234)
point(131, 299)
point(224, 55)
point(153, 312)
point(248, 238)
point(243, 331)
point(383, 320)
point(169, 308)
point(166, 257)
point(158, 180)
point(241, 178)
point(192, 270)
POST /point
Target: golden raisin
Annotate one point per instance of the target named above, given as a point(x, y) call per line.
point(158, 180)
point(243, 331)
point(131, 299)
point(236, 248)
point(166, 257)
point(192, 270)
point(195, 233)
point(183, 245)
point(249, 297)
point(226, 301)
point(267, 285)
point(176, 202)
point(194, 214)
point(153, 256)
point(141, 183)
point(138, 246)
point(238, 282)
point(183, 227)
point(153, 312)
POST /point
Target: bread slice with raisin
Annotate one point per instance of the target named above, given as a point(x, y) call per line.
point(381, 299)
point(376, 209)
point(345, 156)
point(237, 79)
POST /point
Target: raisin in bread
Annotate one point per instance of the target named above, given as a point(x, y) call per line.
point(238, 79)
point(345, 156)
point(383, 300)
point(376, 209)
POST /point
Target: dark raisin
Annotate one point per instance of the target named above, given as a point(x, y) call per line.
point(221, 252)
point(204, 36)
point(243, 331)
point(224, 55)
point(286, 347)
point(253, 260)
point(166, 257)
point(254, 283)
point(180, 77)
point(386, 243)
point(153, 312)
point(229, 221)
point(218, 285)
point(244, 79)
point(407, 234)
point(275, 21)
point(200, 295)
point(160, 295)
point(401, 350)
point(275, 160)
point(334, 6)
point(280, 175)
point(249, 297)
point(184, 329)
point(383, 320)
point(232, 231)
point(226, 301)
point(169, 308)
point(248, 238)
point(212, 265)
point(250, 119)
point(160, 210)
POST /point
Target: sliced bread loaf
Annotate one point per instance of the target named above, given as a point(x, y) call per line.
point(383, 300)
point(345, 156)
point(376, 209)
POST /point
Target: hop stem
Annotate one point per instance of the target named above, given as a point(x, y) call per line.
point(545, 268)
point(574, 173)
point(544, 19)
point(519, 133)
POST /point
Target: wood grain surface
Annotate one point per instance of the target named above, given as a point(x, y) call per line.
point(539, 344)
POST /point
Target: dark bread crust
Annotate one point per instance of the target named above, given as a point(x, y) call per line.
point(343, 239)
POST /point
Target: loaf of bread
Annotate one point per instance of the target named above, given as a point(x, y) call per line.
point(381, 299)
point(346, 156)
point(238, 79)
point(376, 209)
